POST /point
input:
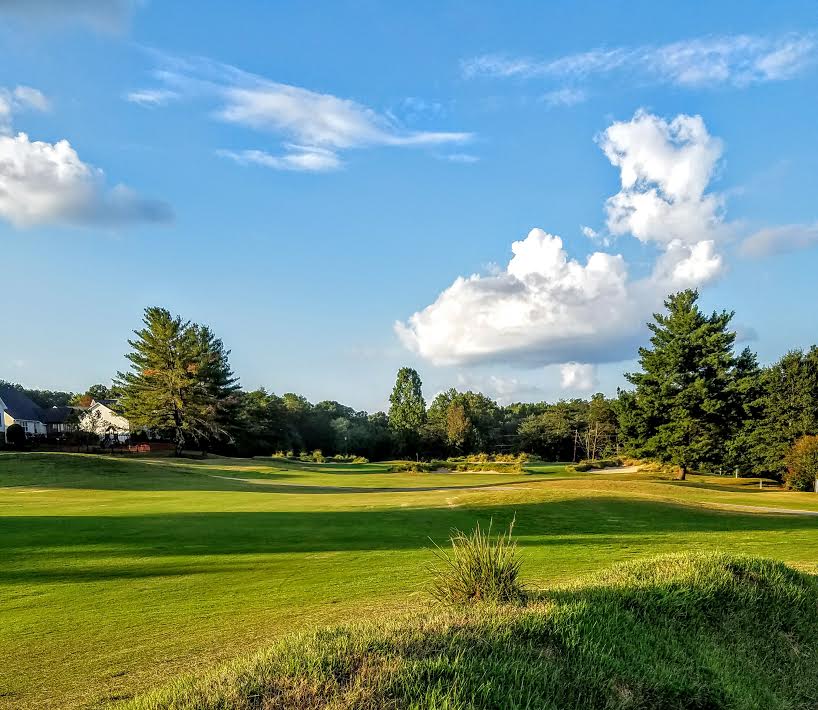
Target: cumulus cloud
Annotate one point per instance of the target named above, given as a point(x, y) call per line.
point(315, 123)
point(47, 183)
point(578, 376)
point(665, 168)
point(778, 240)
point(503, 390)
point(547, 308)
point(737, 60)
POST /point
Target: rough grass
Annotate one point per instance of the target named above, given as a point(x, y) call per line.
point(679, 631)
point(478, 568)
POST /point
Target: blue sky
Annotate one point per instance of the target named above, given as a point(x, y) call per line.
point(312, 179)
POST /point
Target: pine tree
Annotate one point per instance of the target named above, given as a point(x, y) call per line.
point(684, 407)
point(407, 408)
point(180, 382)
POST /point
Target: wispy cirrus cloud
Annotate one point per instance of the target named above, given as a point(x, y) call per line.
point(564, 97)
point(314, 127)
point(151, 97)
point(780, 239)
point(104, 15)
point(737, 60)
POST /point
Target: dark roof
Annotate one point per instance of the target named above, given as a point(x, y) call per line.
point(19, 406)
point(56, 415)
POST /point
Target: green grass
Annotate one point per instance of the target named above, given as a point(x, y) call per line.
point(681, 631)
point(116, 575)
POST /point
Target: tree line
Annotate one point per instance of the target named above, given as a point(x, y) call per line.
point(695, 403)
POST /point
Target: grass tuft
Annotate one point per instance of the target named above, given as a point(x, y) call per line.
point(479, 568)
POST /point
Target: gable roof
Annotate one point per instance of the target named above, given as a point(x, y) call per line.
point(56, 415)
point(18, 405)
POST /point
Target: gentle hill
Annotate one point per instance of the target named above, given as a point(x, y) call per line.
point(676, 631)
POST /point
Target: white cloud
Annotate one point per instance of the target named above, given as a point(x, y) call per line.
point(21, 98)
point(42, 183)
point(578, 376)
point(151, 97)
point(564, 97)
point(105, 15)
point(299, 158)
point(317, 123)
point(466, 158)
point(777, 240)
point(503, 390)
point(665, 168)
point(736, 60)
point(548, 308)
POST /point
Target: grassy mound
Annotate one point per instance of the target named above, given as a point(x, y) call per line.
point(680, 631)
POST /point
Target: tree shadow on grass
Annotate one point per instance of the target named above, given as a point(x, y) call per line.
point(66, 548)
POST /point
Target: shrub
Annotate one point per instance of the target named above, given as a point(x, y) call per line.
point(317, 456)
point(16, 436)
point(479, 568)
point(360, 459)
point(802, 464)
point(410, 467)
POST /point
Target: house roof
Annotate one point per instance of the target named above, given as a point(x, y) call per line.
point(18, 405)
point(56, 415)
point(112, 404)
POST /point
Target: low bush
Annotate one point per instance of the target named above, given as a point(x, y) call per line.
point(360, 460)
point(410, 467)
point(478, 568)
point(477, 466)
point(15, 436)
point(802, 465)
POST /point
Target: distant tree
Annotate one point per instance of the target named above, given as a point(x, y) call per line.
point(783, 407)
point(407, 409)
point(458, 425)
point(15, 436)
point(180, 380)
point(95, 393)
point(802, 465)
point(42, 398)
point(682, 408)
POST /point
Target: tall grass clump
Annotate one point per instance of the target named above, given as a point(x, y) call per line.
point(478, 568)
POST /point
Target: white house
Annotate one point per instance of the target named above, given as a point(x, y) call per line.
point(103, 418)
point(17, 408)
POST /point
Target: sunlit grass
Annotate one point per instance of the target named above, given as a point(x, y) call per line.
point(118, 574)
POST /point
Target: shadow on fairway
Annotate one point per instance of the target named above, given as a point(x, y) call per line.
point(84, 548)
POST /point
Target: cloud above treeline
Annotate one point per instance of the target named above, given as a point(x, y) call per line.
point(47, 183)
point(314, 128)
point(547, 308)
point(732, 60)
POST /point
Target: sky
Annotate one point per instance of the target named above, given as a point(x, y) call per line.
point(499, 196)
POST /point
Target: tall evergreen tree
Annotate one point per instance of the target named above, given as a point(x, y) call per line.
point(683, 407)
point(407, 408)
point(180, 382)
